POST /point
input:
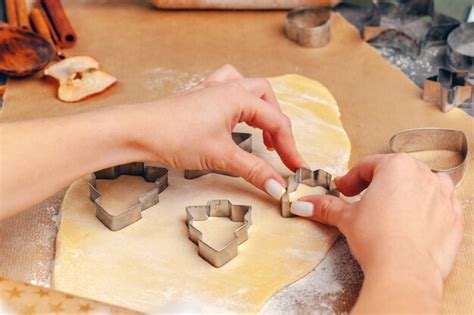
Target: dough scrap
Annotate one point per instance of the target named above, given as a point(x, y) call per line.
point(152, 263)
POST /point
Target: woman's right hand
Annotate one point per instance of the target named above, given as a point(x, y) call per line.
point(408, 220)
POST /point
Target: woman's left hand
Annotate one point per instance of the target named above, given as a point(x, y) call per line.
point(192, 130)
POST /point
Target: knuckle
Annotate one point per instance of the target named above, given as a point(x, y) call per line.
point(265, 83)
point(225, 159)
point(285, 122)
point(400, 159)
point(252, 174)
point(234, 88)
point(229, 67)
point(325, 207)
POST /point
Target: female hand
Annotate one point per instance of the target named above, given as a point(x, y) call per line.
point(193, 130)
point(408, 224)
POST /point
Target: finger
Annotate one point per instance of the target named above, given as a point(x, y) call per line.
point(360, 176)
point(256, 171)
point(323, 208)
point(262, 88)
point(446, 182)
point(257, 113)
point(267, 140)
point(224, 74)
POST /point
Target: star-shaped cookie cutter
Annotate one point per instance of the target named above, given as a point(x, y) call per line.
point(317, 178)
point(219, 208)
point(448, 89)
point(158, 175)
point(243, 140)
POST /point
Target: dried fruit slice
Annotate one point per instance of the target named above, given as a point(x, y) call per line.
point(79, 77)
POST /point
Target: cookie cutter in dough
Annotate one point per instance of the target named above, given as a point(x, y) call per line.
point(219, 208)
point(309, 27)
point(460, 52)
point(426, 139)
point(447, 89)
point(158, 175)
point(243, 140)
point(317, 178)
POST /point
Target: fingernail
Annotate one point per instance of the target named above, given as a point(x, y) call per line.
point(302, 208)
point(274, 188)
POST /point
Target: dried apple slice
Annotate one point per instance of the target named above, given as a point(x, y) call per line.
point(79, 77)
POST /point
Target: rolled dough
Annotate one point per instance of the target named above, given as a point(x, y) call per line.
point(152, 264)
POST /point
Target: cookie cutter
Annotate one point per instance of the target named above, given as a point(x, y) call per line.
point(243, 140)
point(448, 89)
point(309, 27)
point(408, 18)
point(426, 139)
point(460, 50)
point(219, 208)
point(317, 178)
point(158, 175)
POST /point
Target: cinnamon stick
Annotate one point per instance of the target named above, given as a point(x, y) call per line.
point(59, 20)
point(22, 15)
point(40, 25)
point(11, 12)
point(52, 31)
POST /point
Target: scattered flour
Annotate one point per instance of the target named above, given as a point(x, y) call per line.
point(173, 80)
point(330, 288)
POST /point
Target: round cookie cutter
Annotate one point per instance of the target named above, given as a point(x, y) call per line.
point(309, 27)
point(460, 53)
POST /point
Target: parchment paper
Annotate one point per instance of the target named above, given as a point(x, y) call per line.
point(155, 53)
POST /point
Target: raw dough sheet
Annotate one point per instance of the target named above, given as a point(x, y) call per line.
point(152, 263)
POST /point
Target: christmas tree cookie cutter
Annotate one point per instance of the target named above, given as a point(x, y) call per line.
point(219, 208)
point(304, 176)
point(243, 140)
point(158, 175)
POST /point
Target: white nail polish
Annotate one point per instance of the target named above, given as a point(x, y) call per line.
point(302, 208)
point(274, 188)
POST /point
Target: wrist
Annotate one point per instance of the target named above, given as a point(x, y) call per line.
point(119, 129)
point(406, 275)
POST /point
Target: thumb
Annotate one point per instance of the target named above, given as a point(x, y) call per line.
point(256, 171)
point(325, 209)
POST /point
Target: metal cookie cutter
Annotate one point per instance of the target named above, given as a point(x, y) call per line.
point(447, 89)
point(460, 54)
point(426, 139)
point(158, 175)
point(219, 208)
point(309, 27)
point(317, 178)
point(243, 140)
point(409, 18)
